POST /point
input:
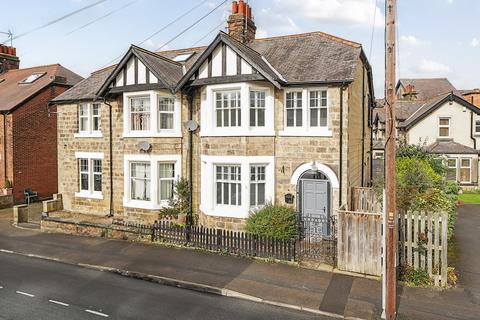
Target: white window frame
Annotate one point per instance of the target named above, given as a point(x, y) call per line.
point(456, 167)
point(256, 108)
point(306, 130)
point(476, 129)
point(237, 110)
point(441, 126)
point(257, 182)
point(232, 170)
point(208, 181)
point(470, 160)
point(154, 160)
point(208, 126)
point(154, 131)
point(89, 132)
point(90, 193)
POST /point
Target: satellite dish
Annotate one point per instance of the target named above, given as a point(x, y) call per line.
point(191, 125)
point(144, 146)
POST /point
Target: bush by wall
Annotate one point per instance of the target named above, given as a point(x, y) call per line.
point(274, 221)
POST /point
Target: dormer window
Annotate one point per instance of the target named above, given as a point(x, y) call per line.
point(32, 78)
point(183, 57)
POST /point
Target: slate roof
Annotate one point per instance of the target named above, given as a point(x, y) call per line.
point(314, 57)
point(450, 147)
point(404, 110)
point(13, 93)
point(87, 88)
point(428, 88)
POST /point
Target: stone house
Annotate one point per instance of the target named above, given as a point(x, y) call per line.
point(28, 147)
point(433, 114)
point(248, 121)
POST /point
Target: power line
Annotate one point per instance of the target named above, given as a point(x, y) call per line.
point(58, 19)
point(169, 24)
point(373, 29)
point(158, 31)
point(192, 25)
point(209, 32)
point(100, 18)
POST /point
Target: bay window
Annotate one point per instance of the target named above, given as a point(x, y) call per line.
point(140, 181)
point(166, 109)
point(89, 175)
point(257, 185)
point(233, 186)
point(228, 109)
point(140, 113)
point(237, 109)
point(228, 185)
point(257, 108)
point(151, 114)
point(149, 180)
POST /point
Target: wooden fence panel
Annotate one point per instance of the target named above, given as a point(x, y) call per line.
point(360, 242)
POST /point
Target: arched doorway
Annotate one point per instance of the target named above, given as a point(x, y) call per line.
point(315, 183)
point(314, 204)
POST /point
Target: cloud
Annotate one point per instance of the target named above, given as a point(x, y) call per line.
point(349, 12)
point(431, 66)
point(411, 41)
point(475, 42)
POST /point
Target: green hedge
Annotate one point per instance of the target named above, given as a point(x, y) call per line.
point(274, 221)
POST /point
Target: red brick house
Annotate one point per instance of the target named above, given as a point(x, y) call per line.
point(28, 135)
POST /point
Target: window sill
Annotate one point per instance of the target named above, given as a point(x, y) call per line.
point(234, 132)
point(140, 204)
point(226, 211)
point(89, 195)
point(304, 133)
point(88, 135)
point(150, 134)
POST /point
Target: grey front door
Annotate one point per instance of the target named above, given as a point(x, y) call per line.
point(316, 204)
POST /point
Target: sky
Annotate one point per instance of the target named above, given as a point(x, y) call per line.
point(437, 38)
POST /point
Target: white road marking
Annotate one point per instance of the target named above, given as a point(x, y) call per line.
point(97, 313)
point(1, 287)
point(6, 251)
point(59, 302)
point(25, 294)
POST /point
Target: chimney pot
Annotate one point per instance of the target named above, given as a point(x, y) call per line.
point(241, 7)
point(234, 7)
point(249, 11)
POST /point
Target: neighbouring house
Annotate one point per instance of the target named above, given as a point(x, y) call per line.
point(472, 96)
point(251, 121)
point(28, 135)
point(433, 114)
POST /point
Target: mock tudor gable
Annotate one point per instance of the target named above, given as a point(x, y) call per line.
point(141, 69)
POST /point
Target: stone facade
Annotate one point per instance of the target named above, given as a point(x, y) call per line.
point(289, 152)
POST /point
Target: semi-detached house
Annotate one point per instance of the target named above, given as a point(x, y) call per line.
point(283, 120)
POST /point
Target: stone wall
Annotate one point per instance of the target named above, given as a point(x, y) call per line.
point(6, 201)
point(289, 153)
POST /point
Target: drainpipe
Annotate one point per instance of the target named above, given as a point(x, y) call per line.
point(363, 127)
point(110, 122)
point(472, 126)
point(5, 114)
point(190, 160)
point(340, 170)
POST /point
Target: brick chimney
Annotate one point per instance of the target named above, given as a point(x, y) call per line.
point(240, 24)
point(410, 92)
point(8, 58)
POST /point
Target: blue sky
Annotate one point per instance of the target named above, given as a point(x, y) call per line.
point(438, 38)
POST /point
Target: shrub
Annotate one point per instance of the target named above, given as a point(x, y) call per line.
point(419, 152)
point(180, 203)
point(7, 184)
point(274, 221)
point(415, 277)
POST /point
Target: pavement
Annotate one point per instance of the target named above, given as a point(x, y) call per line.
point(50, 290)
point(324, 293)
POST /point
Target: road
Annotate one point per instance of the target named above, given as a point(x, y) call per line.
point(32, 288)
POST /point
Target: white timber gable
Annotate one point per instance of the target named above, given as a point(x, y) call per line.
point(224, 61)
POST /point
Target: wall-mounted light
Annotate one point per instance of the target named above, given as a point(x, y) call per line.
point(314, 166)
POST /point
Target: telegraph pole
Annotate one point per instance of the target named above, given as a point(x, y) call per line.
point(390, 184)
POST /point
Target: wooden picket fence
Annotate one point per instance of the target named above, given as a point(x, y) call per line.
point(423, 243)
point(364, 199)
point(220, 240)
